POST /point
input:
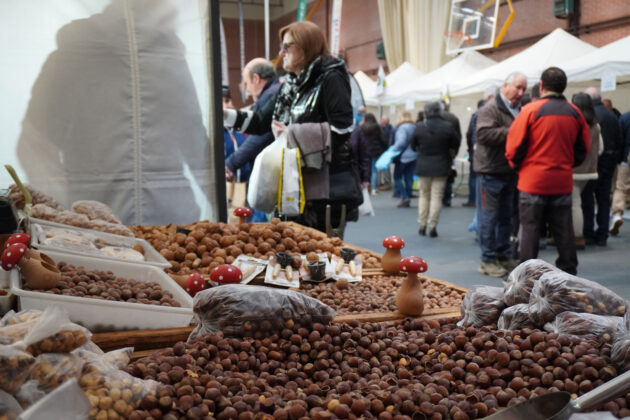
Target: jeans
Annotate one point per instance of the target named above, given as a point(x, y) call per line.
point(495, 203)
point(430, 202)
point(598, 190)
point(374, 175)
point(472, 186)
point(403, 179)
point(534, 210)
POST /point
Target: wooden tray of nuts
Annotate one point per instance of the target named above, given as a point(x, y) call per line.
point(147, 340)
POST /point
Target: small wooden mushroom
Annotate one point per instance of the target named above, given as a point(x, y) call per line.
point(410, 298)
point(389, 262)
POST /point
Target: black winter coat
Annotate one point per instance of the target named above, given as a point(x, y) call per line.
point(324, 98)
point(611, 134)
point(436, 143)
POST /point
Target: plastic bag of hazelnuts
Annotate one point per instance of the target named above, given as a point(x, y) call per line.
point(482, 306)
point(255, 311)
point(9, 408)
point(515, 318)
point(53, 333)
point(556, 292)
point(518, 286)
point(620, 352)
point(580, 324)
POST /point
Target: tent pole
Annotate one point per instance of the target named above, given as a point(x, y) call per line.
point(267, 29)
point(215, 119)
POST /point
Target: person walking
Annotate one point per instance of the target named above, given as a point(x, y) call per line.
point(547, 139)
point(496, 181)
point(598, 191)
point(436, 143)
point(403, 171)
point(587, 170)
point(622, 186)
point(376, 144)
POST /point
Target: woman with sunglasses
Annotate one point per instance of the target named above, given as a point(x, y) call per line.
point(316, 90)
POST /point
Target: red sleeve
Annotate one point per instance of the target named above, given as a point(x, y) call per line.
point(515, 146)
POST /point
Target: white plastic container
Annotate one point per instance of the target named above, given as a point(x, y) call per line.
point(103, 315)
point(37, 228)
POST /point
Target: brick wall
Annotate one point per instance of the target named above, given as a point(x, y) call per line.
point(600, 23)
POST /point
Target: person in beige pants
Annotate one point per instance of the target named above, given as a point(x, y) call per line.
point(436, 143)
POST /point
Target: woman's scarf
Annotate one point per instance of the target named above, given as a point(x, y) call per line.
point(289, 93)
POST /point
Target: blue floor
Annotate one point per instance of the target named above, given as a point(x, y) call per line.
point(454, 255)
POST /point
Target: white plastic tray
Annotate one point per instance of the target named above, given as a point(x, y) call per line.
point(38, 227)
point(102, 315)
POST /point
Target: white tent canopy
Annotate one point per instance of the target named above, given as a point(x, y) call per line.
point(435, 84)
point(553, 50)
point(612, 59)
point(367, 85)
point(396, 84)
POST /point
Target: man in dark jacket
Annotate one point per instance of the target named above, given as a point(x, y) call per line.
point(606, 164)
point(260, 82)
point(454, 121)
point(496, 181)
point(547, 139)
point(622, 186)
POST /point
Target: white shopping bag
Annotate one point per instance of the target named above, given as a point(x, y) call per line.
point(262, 193)
point(290, 188)
point(366, 208)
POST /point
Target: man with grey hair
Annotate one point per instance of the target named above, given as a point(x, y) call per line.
point(259, 79)
point(496, 181)
point(598, 190)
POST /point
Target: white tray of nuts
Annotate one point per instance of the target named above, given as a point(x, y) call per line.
point(47, 236)
point(107, 295)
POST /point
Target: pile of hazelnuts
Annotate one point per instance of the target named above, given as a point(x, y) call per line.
point(378, 294)
point(104, 285)
point(433, 369)
point(202, 246)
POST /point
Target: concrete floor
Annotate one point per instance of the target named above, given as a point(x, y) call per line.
point(454, 256)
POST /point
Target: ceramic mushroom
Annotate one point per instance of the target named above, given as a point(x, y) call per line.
point(243, 213)
point(37, 273)
point(389, 261)
point(410, 299)
point(21, 238)
point(194, 284)
point(226, 274)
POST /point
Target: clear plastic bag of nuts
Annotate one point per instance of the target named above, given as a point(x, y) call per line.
point(556, 292)
point(482, 306)
point(9, 408)
point(95, 210)
point(53, 333)
point(515, 318)
point(620, 352)
point(49, 371)
point(113, 393)
point(581, 324)
point(518, 286)
point(12, 317)
point(14, 368)
point(244, 310)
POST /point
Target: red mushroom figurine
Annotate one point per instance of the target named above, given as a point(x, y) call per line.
point(243, 213)
point(226, 274)
point(389, 262)
point(17, 238)
point(194, 284)
point(410, 299)
point(12, 255)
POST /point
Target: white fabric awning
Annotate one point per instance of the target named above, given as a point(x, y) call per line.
point(396, 83)
point(553, 50)
point(435, 84)
point(611, 59)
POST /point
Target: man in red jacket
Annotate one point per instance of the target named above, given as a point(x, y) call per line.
point(547, 139)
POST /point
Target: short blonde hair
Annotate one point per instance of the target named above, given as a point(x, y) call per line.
point(404, 117)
